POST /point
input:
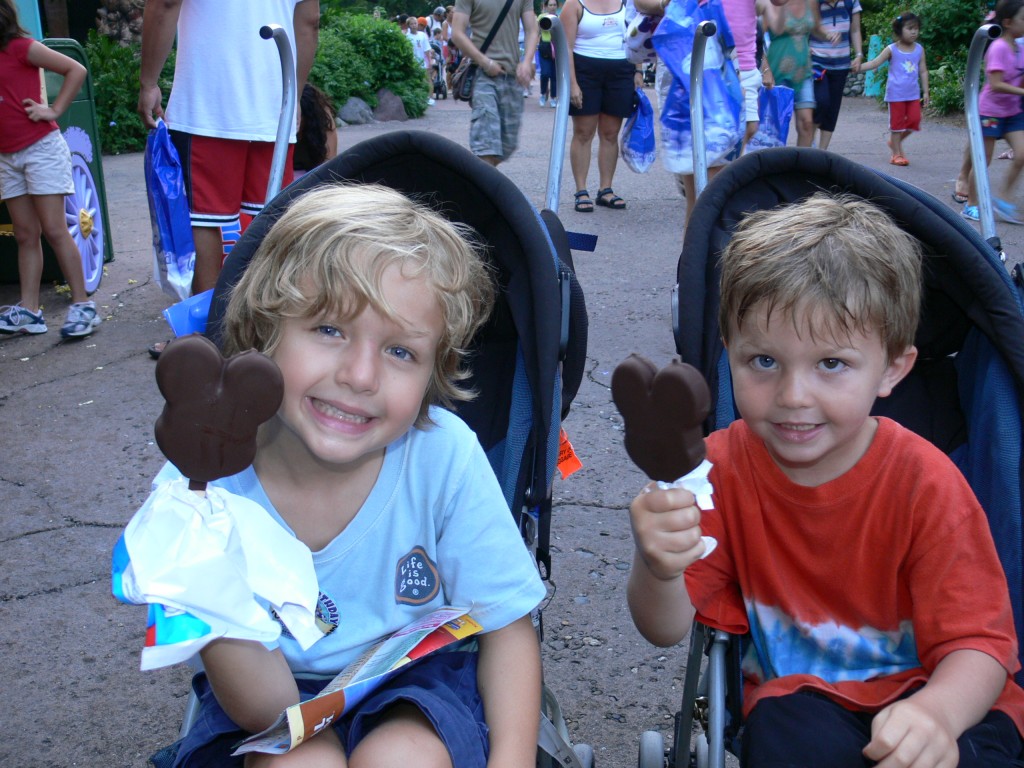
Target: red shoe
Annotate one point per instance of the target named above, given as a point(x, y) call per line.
point(899, 160)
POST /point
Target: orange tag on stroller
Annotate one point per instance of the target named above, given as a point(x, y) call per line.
point(568, 461)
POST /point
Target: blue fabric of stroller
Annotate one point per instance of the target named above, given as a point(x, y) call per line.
point(965, 391)
point(515, 358)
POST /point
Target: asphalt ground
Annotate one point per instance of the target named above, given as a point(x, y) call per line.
point(78, 456)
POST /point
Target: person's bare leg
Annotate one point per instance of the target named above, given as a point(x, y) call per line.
point(402, 738)
point(607, 148)
point(324, 750)
point(27, 230)
point(903, 141)
point(1016, 142)
point(804, 127)
point(972, 188)
point(963, 177)
point(690, 187)
point(752, 126)
point(50, 210)
point(209, 256)
point(896, 143)
point(583, 129)
point(824, 138)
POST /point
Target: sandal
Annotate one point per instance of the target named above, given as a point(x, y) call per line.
point(615, 202)
point(1007, 155)
point(899, 160)
point(154, 350)
point(584, 206)
point(958, 197)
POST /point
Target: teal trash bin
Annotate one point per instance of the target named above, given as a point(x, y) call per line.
point(86, 208)
point(874, 78)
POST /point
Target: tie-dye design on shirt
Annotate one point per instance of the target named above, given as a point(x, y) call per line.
point(781, 646)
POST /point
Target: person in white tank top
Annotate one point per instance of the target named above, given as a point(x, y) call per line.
point(602, 86)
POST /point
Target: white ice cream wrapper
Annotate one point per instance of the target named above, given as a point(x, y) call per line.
point(696, 482)
point(214, 556)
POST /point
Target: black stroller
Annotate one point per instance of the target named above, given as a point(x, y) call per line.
point(964, 393)
point(527, 362)
point(440, 84)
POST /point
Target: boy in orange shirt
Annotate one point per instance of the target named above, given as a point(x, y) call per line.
point(852, 550)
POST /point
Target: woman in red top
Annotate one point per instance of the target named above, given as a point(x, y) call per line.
point(35, 175)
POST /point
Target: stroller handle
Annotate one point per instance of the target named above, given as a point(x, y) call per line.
point(556, 160)
point(284, 122)
point(705, 30)
point(975, 59)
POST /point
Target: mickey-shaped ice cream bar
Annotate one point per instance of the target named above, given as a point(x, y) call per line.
point(663, 413)
point(213, 407)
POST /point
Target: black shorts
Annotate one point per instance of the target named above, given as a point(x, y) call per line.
point(607, 86)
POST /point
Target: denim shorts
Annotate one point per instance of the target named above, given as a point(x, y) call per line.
point(997, 127)
point(41, 168)
point(803, 92)
point(443, 686)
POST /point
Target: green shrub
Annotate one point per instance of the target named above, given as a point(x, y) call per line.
point(115, 78)
point(358, 55)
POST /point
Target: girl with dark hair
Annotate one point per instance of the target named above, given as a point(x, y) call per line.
point(317, 138)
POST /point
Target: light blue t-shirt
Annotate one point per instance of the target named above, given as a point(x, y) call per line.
point(434, 531)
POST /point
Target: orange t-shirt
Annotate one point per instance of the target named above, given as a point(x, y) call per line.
point(856, 588)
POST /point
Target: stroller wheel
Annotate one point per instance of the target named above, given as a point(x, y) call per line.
point(702, 747)
point(652, 750)
point(585, 754)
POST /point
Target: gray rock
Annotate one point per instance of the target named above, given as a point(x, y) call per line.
point(356, 112)
point(389, 107)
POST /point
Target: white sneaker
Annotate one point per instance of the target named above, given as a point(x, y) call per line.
point(553, 102)
point(543, 100)
point(430, 102)
point(17, 319)
point(81, 320)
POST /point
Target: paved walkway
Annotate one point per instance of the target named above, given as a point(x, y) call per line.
point(79, 454)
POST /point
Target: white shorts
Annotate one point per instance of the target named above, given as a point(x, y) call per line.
point(750, 82)
point(43, 168)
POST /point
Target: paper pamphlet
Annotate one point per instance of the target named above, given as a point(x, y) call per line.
point(379, 663)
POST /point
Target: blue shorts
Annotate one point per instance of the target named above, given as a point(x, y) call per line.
point(442, 686)
point(997, 127)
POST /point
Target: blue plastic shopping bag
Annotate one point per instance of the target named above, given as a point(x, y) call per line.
point(722, 95)
point(174, 251)
point(637, 143)
point(774, 111)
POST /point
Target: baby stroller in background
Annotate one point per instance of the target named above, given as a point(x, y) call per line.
point(964, 393)
point(528, 360)
point(437, 70)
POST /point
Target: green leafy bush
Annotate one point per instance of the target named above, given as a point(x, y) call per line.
point(358, 55)
point(115, 77)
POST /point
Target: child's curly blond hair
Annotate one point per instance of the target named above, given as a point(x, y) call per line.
point(326, 255)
